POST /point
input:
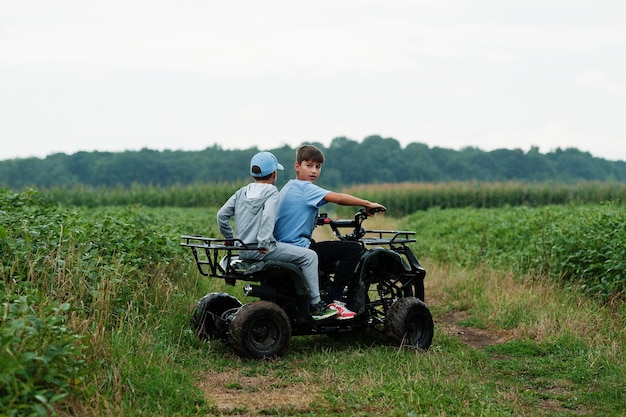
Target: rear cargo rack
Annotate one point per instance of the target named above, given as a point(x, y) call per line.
point(208, 252)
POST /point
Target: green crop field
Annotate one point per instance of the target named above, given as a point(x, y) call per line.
point(528, 304)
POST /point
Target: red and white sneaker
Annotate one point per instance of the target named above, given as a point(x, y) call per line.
point(342, 311)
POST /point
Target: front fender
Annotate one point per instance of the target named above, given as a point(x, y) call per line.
point(375, 264)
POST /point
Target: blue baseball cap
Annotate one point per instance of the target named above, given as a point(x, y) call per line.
point(267, 162)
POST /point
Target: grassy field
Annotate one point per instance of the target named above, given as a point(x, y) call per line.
point(96, 306)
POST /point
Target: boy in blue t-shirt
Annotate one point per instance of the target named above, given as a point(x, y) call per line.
point(300, 200)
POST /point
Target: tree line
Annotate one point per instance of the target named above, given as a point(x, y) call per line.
point(375, 160)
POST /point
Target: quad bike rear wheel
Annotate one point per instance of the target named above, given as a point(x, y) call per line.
point(409, 323)
point(260, 329)
point(211, 315)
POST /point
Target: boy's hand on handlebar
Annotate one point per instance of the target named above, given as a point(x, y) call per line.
point(374, 208)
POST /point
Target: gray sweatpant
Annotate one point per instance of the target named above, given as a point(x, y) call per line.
point(304, 258)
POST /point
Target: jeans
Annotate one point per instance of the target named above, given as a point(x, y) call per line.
point(304, 258)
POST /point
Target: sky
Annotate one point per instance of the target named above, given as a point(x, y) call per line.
point(115, 75)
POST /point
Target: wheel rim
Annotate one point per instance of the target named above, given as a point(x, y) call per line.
point(381, 296)
point(212, 313)
point(264, 334)
point(410, 324)
point(414, 333)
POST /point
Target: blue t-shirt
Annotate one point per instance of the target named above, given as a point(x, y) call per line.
point(298, 205)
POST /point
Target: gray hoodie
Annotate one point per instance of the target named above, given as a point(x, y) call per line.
point(254, 207)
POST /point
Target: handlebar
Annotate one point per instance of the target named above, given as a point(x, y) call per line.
point(356, 224)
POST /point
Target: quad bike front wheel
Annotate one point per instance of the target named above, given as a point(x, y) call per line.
point(409, 323)
point(211, 315)
point(260, 329)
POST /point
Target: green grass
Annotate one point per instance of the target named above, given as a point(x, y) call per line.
point(109, 291)
point(555, 351)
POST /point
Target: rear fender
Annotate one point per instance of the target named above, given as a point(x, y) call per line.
point(281, 283)
point(380, 259)
point(276, 273)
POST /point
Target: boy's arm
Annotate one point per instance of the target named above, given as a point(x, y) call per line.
point(223, 218)
point(349, 200)
point(268, 220)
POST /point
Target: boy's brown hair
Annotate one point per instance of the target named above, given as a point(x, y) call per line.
point(257, 170)
point(309, 153)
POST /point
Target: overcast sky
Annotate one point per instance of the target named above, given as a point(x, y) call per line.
point(113, 75)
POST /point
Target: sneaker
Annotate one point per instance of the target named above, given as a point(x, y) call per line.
point(342, 311)
point(321, 311)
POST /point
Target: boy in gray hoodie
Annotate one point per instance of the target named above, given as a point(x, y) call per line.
point(255, 208)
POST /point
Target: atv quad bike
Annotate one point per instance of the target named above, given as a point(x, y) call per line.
point(386, 292)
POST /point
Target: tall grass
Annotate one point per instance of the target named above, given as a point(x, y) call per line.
point(193, 195)
point(400, 199)
point(84, 294)
point(405, 199)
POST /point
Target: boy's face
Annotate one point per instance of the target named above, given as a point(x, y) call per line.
point(308, 170)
